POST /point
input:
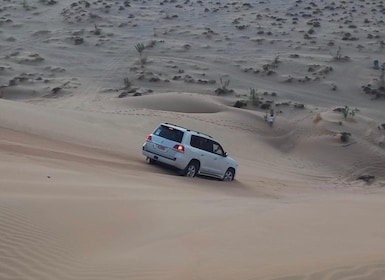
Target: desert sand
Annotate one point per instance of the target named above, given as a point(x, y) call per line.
point(83, 83)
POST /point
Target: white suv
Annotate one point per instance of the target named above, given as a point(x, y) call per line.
point(191, 152)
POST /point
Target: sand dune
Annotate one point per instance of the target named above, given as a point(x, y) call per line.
point(77, 99)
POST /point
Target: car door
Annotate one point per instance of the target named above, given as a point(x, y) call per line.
point(218, 161)
point(202, 151)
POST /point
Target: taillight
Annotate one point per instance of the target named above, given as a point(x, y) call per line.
point(148, 137)
point(179, 148)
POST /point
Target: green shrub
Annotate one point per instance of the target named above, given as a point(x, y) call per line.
point(140, 48)
point(348, 112)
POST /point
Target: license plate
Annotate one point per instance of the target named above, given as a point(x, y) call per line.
point(160, 147)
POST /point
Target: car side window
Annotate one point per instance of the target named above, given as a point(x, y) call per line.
point(201, 143)
point(217, 149)
point(194, 142)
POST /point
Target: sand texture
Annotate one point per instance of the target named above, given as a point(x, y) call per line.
point(83, 82)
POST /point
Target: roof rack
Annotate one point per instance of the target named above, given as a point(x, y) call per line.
point(189, 129)
point(175, 125)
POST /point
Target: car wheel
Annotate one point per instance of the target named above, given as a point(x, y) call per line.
point(150, 160)
point(229, 175)
point(191, 170)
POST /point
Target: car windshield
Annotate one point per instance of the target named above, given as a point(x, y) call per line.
point(169, 133)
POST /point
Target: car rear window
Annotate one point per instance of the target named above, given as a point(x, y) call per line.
point(169, 133)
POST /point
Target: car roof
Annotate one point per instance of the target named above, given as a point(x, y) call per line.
point(186, 129)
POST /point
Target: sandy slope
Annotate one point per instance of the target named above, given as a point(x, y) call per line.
point(78, 200)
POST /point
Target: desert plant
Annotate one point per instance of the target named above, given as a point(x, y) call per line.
point(271, 65)
point(127, 83)
point(240, 104)
point(254, 96)
point(140, 48)
point(224, 87)
point(97, 30)
point(275, 62)
point(382, 81)
point(345, 136)
point(347, 112)
point(224, 84)
point(338, 55)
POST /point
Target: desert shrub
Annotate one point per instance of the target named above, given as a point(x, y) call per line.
point(97, 30)
point(127, 83)
point(346, 111)
point(338, 55)
point(366, 178)
point(140, 48)
point(299, 106)
point(345, 136)
point(225, 84)
point(123, 94)
point(266, 105)
point(240, 104)
point(254, 96)
point(224, 87)
point(272, 65)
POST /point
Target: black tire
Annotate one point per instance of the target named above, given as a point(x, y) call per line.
point(229, 175)
point(191, 169)
point(150, 160)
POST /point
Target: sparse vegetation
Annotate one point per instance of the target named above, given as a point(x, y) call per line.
point(97, 30)
point(345, 136)
point(140, 48)
point(379, 90)
point(25, 4)
point(367, 178)
point(272, 65)
point(224, 87)
point(346, 111)
point(127, 83)
point(240, 104)
point(224, 84)
point(254, 97)
point(338, 55)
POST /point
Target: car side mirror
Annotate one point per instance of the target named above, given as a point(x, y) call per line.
point(225, 154)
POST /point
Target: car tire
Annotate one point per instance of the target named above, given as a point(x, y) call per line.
point(229, 175)
point(150, 160)
point(191, 169)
